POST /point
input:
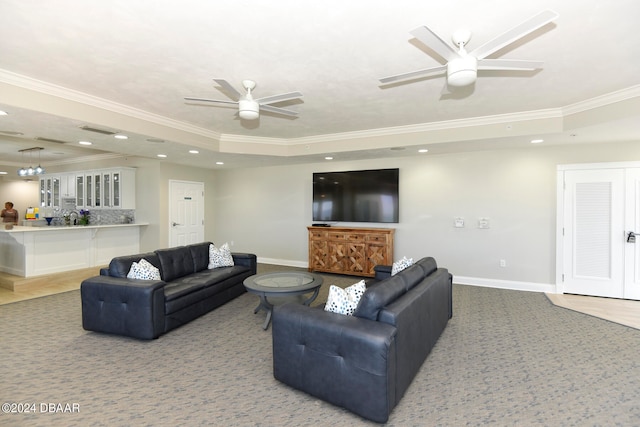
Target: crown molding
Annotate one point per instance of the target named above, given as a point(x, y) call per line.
point(28, 83)
point(40, 86)
point(602, 101)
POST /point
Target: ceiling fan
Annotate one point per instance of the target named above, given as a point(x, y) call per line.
point(249, 108)
point(462, 67)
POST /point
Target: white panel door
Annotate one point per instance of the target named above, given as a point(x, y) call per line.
point(593, 232)
point(186, 212)
point(632, 242)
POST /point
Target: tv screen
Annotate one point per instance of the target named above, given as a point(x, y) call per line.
point(356, 196)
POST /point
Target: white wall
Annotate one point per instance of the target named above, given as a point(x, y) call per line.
point(21, 193)
point(266, 210)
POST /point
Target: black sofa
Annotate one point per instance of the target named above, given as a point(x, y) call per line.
point(365, 362)
point(146, 309)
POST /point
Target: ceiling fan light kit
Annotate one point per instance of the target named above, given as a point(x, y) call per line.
point(248, 109)
point(462, 71)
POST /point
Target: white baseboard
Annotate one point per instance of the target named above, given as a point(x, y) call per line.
point(285, 262)
point(505, 284)
point(460, 280)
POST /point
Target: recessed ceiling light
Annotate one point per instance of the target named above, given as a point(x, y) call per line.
point(328, 158)
point(219, 163)
point(537, 141)
point(194, 151)
point(3, 173)
point(162, 156)
point(3, 113)
point(85, 142)
point(120, 136)
point(423, 150)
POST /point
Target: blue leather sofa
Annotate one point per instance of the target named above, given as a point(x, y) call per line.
point(146, 309)
point(365, 362)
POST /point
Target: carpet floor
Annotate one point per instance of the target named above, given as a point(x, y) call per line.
point(506, 358)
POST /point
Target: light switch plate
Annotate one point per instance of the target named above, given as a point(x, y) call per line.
point(458, 222)
point(483, 223)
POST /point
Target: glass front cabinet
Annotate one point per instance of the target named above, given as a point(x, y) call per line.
point(107, 188)
point(50, 191)
point(104, 188)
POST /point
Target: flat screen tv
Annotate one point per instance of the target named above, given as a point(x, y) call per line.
point(356, 196)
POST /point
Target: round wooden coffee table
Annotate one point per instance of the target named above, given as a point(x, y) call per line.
point(284, 284)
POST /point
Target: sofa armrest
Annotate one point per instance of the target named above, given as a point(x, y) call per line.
point(122, 306)
point(344, 360)
point(382, 271)
point(248, 260)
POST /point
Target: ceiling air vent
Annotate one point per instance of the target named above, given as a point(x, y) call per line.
point(96, 130)
point(56, 141)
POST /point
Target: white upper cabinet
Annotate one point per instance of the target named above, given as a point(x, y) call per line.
point(104, 188)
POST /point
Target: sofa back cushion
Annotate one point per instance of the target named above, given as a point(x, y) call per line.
point(379, 295)
point(411, 276)
point(175, 262)
point(428, 264)
point(120, 266)
point(200, 255)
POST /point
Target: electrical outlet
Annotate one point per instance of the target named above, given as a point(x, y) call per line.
point(232, 243)
point(503, 263)
point(458, 222)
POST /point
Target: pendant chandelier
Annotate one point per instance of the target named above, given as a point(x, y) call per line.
point(30, 171)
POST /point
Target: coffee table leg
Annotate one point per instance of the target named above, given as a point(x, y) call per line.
point(312, 297)
point(266, 305)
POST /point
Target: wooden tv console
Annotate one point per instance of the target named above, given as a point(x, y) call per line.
point(353, 251)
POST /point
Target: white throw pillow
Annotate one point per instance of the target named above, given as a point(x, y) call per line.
point(220, 257)
point(143, 270)
point(400, 265)
point(345, 301)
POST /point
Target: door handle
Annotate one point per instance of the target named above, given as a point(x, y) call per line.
point(175, 223)
point(631, 237)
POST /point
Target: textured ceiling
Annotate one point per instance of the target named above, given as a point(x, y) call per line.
point(126, 65)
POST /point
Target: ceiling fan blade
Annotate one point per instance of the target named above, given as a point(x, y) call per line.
point(508, 64)
point(435, 42)
point(278, 110)
point(278, 98)
point(514, 34)
point(217, 101)
point(414, 74)
point(229, 90)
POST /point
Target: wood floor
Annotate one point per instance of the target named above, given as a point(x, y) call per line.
point(625, 312)
point(13, 288)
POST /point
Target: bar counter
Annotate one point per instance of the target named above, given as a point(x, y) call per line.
point(35, 251)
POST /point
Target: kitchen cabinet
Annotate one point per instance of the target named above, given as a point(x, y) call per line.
point(49, 191)
point(103, 188)
point(68, 185)
point(353, 251)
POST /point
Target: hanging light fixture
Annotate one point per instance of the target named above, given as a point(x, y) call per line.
point(30, 171)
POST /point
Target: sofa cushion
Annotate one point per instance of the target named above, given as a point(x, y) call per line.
point(379, 295)
point(345, 301)
point(175, 262)
point(143, 270)
point(200, 255)
point(120, 266)
point(220, 257)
